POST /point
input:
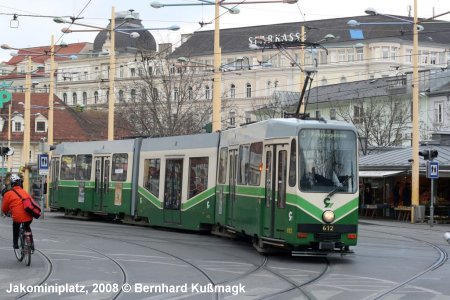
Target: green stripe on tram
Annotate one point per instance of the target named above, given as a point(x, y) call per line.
point(150, 197)
point(198, 199)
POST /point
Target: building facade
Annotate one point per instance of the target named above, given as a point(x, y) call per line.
point(250, 76)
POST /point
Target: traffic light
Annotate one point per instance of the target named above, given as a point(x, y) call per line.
point(425, 154)
point(433, 154)
point(4, 150)
point(428, 154)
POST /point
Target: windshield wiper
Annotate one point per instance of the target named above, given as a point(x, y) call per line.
point(333, 191)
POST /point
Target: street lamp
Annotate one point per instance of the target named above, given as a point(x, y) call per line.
point(217, 88)
point(415, 94)
point(112, 54)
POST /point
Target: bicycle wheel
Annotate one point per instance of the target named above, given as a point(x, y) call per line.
point(27, 251)
point(19, 252)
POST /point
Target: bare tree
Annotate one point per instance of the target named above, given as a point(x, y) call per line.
point(380, 121)
point(167, 98)
point(275, 105)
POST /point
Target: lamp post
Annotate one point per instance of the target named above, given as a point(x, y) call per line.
point(27, 127)
point(217, 101)
point(415, 98)
point(112, 55)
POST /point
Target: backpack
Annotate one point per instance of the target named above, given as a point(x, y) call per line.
point(30, 206)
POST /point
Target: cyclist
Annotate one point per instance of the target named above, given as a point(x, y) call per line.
point(13, 203)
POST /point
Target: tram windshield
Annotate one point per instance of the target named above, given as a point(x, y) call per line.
point(328, 161)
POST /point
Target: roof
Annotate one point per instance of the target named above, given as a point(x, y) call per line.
point(399, 159)
point(234, 40)
point(123, 41)
point(75, 48)
point(380, 87)
point(69, 124)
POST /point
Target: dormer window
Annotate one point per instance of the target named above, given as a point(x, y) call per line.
point(17, 123)
point(40, 123)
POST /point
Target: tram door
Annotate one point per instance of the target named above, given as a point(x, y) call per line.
point(173, 186)
point(54, 173)
point(233, 159)
point(102, 173)
point(275, 190)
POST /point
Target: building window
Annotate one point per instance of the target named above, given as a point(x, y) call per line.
point(95, 97)
point(207, 93)
point(342, 55)
point(40, 126)
point(357, 114)
point(17, 126)
point(360, 54)
point(121, 96)
point(232, 91)
point(248, 89)
point(155, 93)
point(84, 98)
point(65, 98)
point(121, 71)
point(248, 117)
point(232, 119)
point(333, 114)
point(408, 56)
point(439, 112)
point(190, 93)
point(74, 98)
point(133, 72)
point(133, 95)
point(176, 94)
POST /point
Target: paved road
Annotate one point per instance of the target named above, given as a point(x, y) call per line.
point(99, 260)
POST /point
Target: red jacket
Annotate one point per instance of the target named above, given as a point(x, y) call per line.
point(13, 203)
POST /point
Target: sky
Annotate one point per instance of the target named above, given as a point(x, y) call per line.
point(32, 31)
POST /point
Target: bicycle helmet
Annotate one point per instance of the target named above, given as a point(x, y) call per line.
point(15, 180)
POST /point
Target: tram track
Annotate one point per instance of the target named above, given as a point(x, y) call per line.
point(263, 266)
point(43, 279)
point(440, 261)
point(296, 285)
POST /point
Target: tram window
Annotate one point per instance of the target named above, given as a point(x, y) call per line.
point(282, 172)
point(68, 167)
point(223, 165)
point(173, 183)
point(243, 164)
point(119, 167)
point(293, 164)
point(254, 172)
point(151, 178)
point(84, 165)
point(198, 175)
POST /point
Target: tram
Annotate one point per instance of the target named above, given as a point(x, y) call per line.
point(286, 183)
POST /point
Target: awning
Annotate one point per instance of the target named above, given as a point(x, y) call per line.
point(378, 174)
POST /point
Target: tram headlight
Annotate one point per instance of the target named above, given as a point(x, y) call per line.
point(328, 216)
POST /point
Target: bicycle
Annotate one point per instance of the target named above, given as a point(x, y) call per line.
point(24, 252)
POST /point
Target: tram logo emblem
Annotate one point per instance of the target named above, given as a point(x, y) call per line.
point(327, 203)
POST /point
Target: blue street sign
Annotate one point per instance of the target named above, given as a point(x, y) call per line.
point(43, 164)
point(433, 169)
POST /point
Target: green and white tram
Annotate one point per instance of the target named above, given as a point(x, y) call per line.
point(290, 183)
point(286, 183)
